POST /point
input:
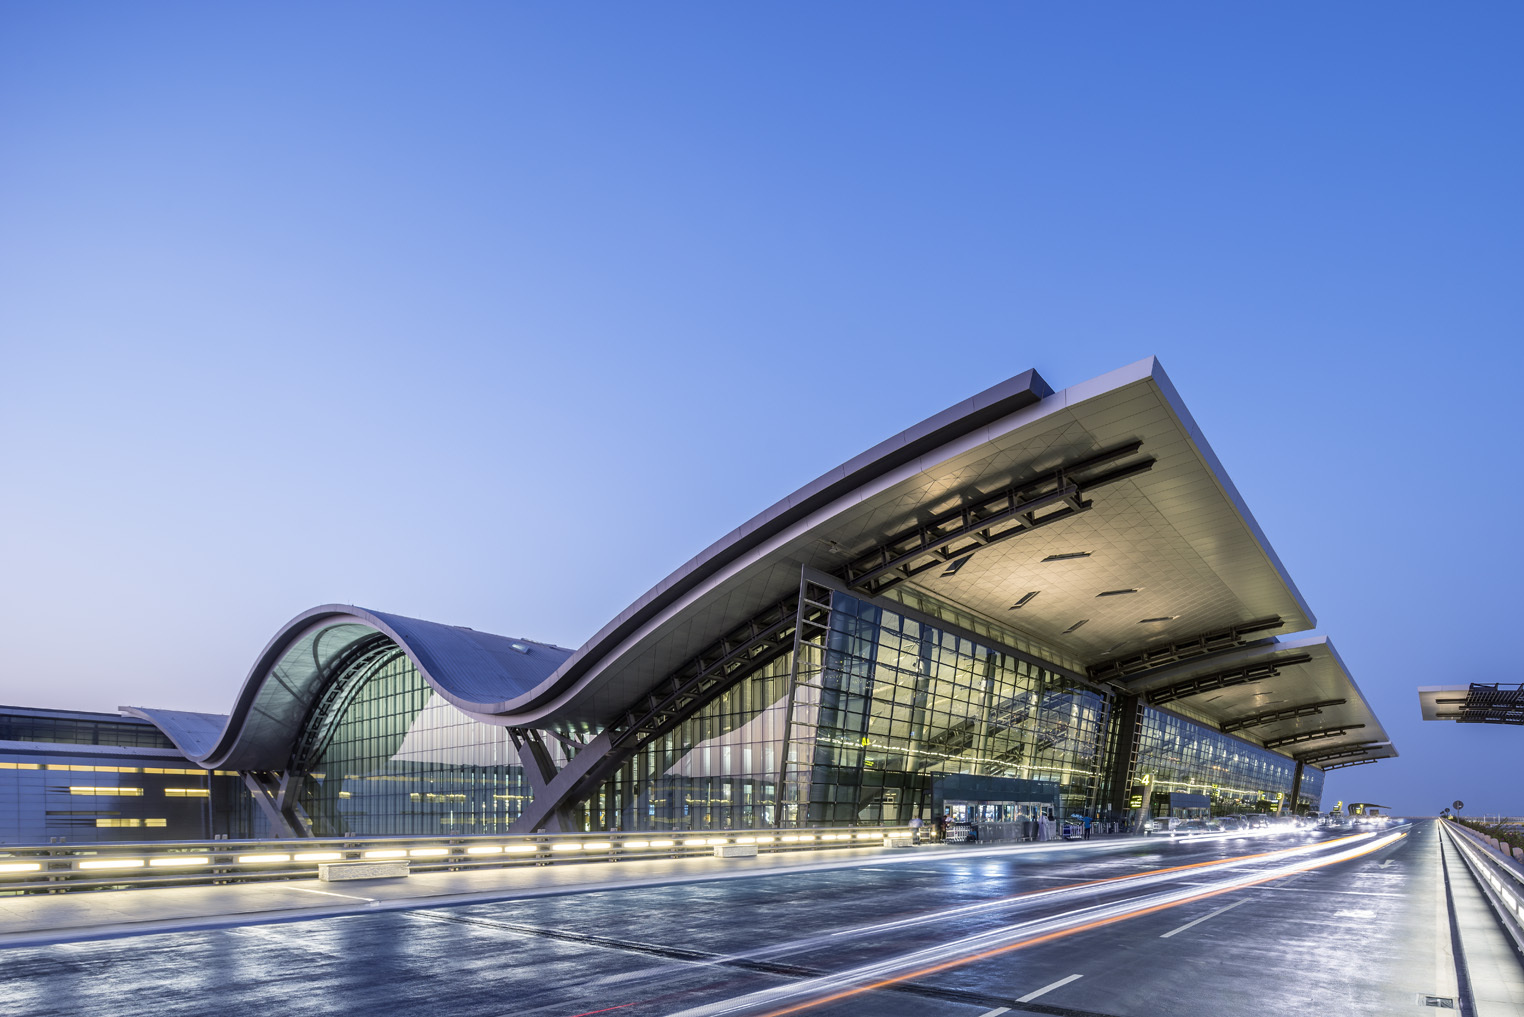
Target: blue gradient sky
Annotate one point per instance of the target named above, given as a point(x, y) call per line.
point(495, 314)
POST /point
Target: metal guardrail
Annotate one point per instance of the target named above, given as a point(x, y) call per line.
point(54, 868)
point(1501, 884)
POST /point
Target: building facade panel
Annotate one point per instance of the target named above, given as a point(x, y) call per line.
point(1000, 587)
point(85, 778)
point(1177, 754)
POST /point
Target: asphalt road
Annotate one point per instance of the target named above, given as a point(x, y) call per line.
point(1232, 926)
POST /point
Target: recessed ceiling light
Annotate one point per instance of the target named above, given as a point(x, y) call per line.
point(955, 566)
point(1066, 557)
point(1118, 593)
point(1076, 625)
point(1024, 601)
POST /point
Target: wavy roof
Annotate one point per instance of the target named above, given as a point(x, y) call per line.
point(466, 667)
point(1168, 552)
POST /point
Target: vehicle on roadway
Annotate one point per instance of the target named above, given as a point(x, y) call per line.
point(1257, 821)
point(1232, 824)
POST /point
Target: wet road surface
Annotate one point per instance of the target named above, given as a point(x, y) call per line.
point(1231, 926)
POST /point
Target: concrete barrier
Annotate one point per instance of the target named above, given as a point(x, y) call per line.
point(735, 851)
point(332, 872)
point(898, 841)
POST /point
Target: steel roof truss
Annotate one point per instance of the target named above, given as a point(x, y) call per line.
point(1277, 716)
point(1352, 762)
point(1014, 510)
point(1245, 675)
point(1136, 667)
point(1316, 756)
point(1312, 736)
point(1492, 704)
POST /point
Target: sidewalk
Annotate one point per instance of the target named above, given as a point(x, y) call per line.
point(39, 919)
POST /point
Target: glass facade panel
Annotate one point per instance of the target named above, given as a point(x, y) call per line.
point(898, 703)
point(24, 727)
point(718, 770)
point(389, 757)
point(1176, 754)
point(49, 794)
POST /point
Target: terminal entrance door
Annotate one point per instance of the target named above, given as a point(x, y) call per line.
point(1003, 821)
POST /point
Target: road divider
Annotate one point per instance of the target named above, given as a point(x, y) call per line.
point(52, 868)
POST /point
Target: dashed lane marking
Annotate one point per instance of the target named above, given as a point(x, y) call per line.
point(1203, 918)
point(1045, 989)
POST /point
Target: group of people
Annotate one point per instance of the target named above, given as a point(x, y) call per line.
point(1044, 827)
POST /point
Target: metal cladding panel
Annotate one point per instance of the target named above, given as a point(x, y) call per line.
point(1442, 702)
point(472, 667)
point(462, 665)
point(194, 734)
point(843, 485)
point(1179, 533)
point(1321, 679)
point(1177, 538)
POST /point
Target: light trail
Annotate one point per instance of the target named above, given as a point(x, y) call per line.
point(982, 946)
point(835, 939)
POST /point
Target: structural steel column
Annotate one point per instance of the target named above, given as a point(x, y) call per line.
point(1296, 787)
point(1124, 753)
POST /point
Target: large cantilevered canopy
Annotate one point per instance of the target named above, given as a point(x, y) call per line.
point(1096, 521)
point(1136, 543)
point(1291, 695)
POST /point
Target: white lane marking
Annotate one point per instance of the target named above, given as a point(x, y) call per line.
point(1010, 937)
point(327, 893)
point(1203, 918)
point(1446, 982)
point(1045, 989)
point(996, 1012)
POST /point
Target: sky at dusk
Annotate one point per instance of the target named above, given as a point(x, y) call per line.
point(494, 314)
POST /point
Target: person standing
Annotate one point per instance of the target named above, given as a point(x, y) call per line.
point(915, 830)
point(1087, 827)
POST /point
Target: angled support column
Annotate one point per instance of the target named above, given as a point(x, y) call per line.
point(275, 795)
point(739, 654)
point(1296, 787)
point(555, 796)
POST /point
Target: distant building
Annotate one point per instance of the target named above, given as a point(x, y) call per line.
point(1477, 703)
point(1033, 601)
point(72, 777)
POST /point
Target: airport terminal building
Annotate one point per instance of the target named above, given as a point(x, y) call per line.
point(1035, 600)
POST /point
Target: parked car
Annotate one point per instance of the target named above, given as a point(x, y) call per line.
point(1232, 824)
point(1257, 821)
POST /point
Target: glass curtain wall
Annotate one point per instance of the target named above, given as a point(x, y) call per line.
point(392, 758)
point(717, 770)
point(1177, 754)
point(899, 702)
